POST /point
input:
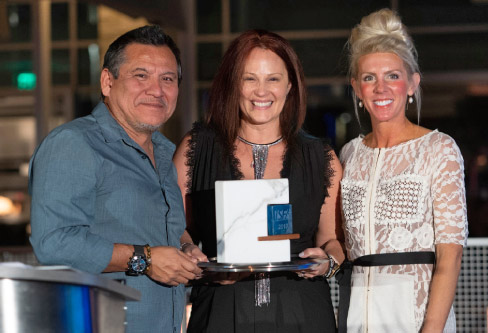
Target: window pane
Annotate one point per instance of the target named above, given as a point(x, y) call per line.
point(209, 55)
point(443, 51)
point(329, 112)
point(83, 66)
point(321, 57)
point(421, 12)
point(88, 65)
point(87, 21)
point(317, 121)
point(59, 21)
point(300, 14)
point(60, 67)
point(203, 95)
point(12, 64)
point(16, 25)
point(84, 103)
point(209, 19)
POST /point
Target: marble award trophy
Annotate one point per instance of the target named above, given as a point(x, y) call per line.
point(242, 218)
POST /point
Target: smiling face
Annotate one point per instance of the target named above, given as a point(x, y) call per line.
point(264, 88)
point(144, 95)
point(383, 84)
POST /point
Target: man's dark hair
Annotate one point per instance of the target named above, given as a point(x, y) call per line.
point(147, 35)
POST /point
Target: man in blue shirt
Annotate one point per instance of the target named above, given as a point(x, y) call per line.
point(104, 191)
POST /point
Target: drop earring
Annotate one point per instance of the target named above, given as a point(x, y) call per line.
point(360, 103)
point(410, 101)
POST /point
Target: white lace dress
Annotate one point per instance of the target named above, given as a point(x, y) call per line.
point(405, 198)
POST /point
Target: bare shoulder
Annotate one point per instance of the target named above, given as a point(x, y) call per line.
point(182, 148)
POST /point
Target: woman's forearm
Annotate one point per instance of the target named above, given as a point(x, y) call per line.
point(443, 286)
point(334, 248)
point(186, 238)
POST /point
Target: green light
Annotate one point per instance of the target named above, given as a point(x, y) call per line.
point(26, 81)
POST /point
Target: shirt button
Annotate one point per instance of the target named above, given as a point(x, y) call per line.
point(143, 157)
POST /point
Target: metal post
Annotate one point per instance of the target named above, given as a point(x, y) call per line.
point(41, 33)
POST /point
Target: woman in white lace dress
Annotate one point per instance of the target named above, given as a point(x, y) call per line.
point(403, 195)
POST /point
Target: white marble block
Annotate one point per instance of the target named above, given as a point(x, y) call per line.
point(241, 213)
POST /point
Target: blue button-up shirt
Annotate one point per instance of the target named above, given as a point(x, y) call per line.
point(93, 186)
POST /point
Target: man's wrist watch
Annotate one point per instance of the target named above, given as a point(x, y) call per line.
point(139, 263)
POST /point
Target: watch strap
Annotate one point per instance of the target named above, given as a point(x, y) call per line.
point(139, 250)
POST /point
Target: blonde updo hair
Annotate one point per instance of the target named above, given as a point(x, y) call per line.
point(382, 32)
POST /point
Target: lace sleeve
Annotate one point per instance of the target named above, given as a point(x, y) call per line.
point(449, 198)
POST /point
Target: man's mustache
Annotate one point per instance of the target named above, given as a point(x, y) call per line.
point(153, 101)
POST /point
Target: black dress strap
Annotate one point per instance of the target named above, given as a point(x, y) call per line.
point(383, 259)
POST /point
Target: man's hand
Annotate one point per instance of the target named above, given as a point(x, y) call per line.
point(171, 266)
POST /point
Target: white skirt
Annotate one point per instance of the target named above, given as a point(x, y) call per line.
point(386, 305)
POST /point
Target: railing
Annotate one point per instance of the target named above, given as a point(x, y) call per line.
point(471, 302)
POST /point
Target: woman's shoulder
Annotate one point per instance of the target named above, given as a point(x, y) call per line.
point(200, 135)
point(350, 146)
point(317, 156)
point(443, 144)
point(437, 135)
point(188, 145)
point(355, 142)
point(437, 139)
point(201, 129)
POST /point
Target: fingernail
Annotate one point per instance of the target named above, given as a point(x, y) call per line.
point(301, 254)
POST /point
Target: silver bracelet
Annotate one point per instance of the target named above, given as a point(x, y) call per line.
point(333, 267)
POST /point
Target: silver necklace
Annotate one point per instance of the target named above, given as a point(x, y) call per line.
point(262, 283)
point(259, 155)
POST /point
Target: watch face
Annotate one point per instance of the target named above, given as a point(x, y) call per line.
point(138, 264)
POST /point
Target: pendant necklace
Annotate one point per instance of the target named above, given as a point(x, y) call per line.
point(259, 155)
point(262, 283)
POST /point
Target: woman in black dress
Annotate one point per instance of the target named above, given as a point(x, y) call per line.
point(258, 103)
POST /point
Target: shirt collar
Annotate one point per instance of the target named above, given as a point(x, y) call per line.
point(112, 131)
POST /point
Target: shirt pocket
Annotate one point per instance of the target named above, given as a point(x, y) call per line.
point(353, 194)
point(400, 200)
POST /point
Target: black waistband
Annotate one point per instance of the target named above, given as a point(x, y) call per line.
point(402, 258)
point(383, 259)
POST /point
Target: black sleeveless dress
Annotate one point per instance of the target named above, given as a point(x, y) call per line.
point(297, 305)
